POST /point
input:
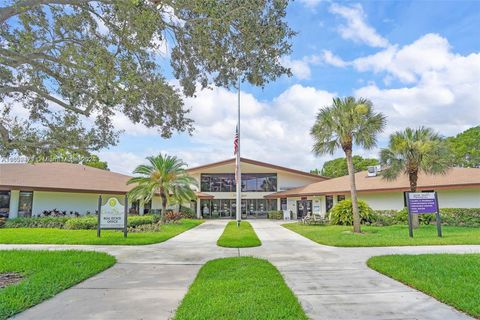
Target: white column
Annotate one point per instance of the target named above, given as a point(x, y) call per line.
point(14, 202)
point(141, 206)
point(199, 210)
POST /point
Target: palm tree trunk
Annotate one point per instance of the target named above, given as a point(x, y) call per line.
point(164, 207)
point(353, 191)
point(413, 178)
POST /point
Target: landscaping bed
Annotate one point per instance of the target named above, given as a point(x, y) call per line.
point(453, 279)
point(395, 235)
point(108, 237)
point(239, 237)
point(242, 288)
point(44, 274)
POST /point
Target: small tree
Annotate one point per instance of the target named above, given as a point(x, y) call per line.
point(165, 176)
point(413, 151)
point(347, 122)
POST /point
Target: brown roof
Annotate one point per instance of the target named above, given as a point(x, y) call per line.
point(454, 179)
point(203, 195)
point(61, 177)
point(258, 163)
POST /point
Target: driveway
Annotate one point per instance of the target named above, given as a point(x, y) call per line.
point(148, 282)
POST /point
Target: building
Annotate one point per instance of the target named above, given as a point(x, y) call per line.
point(458, 188)
point(31, 189)
point(259, 181)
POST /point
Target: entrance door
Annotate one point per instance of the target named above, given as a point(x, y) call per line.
point(304, 208)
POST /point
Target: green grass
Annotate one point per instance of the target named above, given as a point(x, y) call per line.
point(239, 288)
point(397, 235)
point(450, 278)
point(108, 237)
point(46, 273)
point(239, 237)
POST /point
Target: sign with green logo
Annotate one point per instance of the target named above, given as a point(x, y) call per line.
point(112, 215)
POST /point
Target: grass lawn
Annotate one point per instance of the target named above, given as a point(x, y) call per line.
point(62, 236)
point(397, 235)
point(450, 278)
point(242, 288)
point(45, 273)
point(239, 237)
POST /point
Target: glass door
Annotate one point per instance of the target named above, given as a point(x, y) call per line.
point(25, 204)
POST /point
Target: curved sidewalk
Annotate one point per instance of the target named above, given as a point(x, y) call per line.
point(148, 282)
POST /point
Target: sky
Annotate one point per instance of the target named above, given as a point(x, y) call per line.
point(417, 61)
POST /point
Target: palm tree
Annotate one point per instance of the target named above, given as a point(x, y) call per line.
point(413, 151)
point(345, 123)
point(165, 176)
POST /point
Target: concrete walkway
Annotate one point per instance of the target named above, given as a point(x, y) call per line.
point(148, 282)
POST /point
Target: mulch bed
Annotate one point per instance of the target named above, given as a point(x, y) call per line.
point(9, 278)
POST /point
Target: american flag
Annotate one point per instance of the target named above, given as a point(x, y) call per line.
point(235, 142)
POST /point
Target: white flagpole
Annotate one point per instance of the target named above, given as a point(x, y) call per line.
point(237, 162)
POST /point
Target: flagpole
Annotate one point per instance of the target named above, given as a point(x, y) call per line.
point(237, 162)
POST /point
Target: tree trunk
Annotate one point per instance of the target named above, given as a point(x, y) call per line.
point(353, 191)
point(164, 208)
point(413, 177)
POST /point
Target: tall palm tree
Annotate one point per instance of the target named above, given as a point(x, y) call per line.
point(345, 123)
point(413, 151)
point(165, 176)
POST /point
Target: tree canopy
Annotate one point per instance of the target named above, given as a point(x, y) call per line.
point(62, 155)
point(338, 167)
point(75, 64)
point(465, 147)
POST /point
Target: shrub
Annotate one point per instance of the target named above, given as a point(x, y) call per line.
point(342, 213)
point(82, 223)
point(402, 217)
point(276, 215)
point(37, 222)
point(172, 216)
point(134, 221)
point(187, 213)
point(384, 217)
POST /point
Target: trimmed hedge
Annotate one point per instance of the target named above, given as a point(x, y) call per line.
point(458, 217)
point(88, 222)
point(275, 215)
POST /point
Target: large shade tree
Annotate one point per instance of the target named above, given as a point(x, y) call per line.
point(465, 148)
point(73, 65)
point(338, 167)
point(347, 122)
point(164, 176)
point(415, 151)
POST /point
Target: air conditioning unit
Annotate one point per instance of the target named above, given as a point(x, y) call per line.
point(374, 170)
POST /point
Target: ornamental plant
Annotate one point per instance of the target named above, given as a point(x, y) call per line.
point(342, 213)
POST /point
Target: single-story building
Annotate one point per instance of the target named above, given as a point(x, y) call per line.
point(31, 189)
point(458, 188)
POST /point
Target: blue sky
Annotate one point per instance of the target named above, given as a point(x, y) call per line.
point(418, 61)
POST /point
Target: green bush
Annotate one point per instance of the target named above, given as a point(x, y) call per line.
point(275, 215)
point(82, 223)
point(36, 222)
point(342, 213)
point(460, 217)
point(402, 217)
point(384, 217)
point(187, 213)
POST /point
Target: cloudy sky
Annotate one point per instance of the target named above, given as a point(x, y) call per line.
point(418, 61)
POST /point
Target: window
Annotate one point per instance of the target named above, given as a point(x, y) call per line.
point(340, 198)
point(25, 204)
point(226, 208)
point(283, 203)
point(147, 207)
point(251, 182)
point(329, 202)
point(4, 203)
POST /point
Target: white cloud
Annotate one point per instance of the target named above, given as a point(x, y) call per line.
point(329, 58)
point(301, 68)
point(356, 27)
point(275, 131)
point(310, 3)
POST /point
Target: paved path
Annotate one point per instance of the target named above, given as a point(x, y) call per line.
point(149, 281)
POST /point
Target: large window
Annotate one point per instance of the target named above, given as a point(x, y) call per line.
point(251, 182)
point(25, 204)
point(4, 203)
point(226, 208)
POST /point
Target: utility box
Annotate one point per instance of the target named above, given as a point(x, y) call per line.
point(286, 215)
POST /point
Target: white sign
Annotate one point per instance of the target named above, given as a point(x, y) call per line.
point(112, 215)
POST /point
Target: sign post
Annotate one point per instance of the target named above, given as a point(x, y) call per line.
point(423, 203)
point(112, 215)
